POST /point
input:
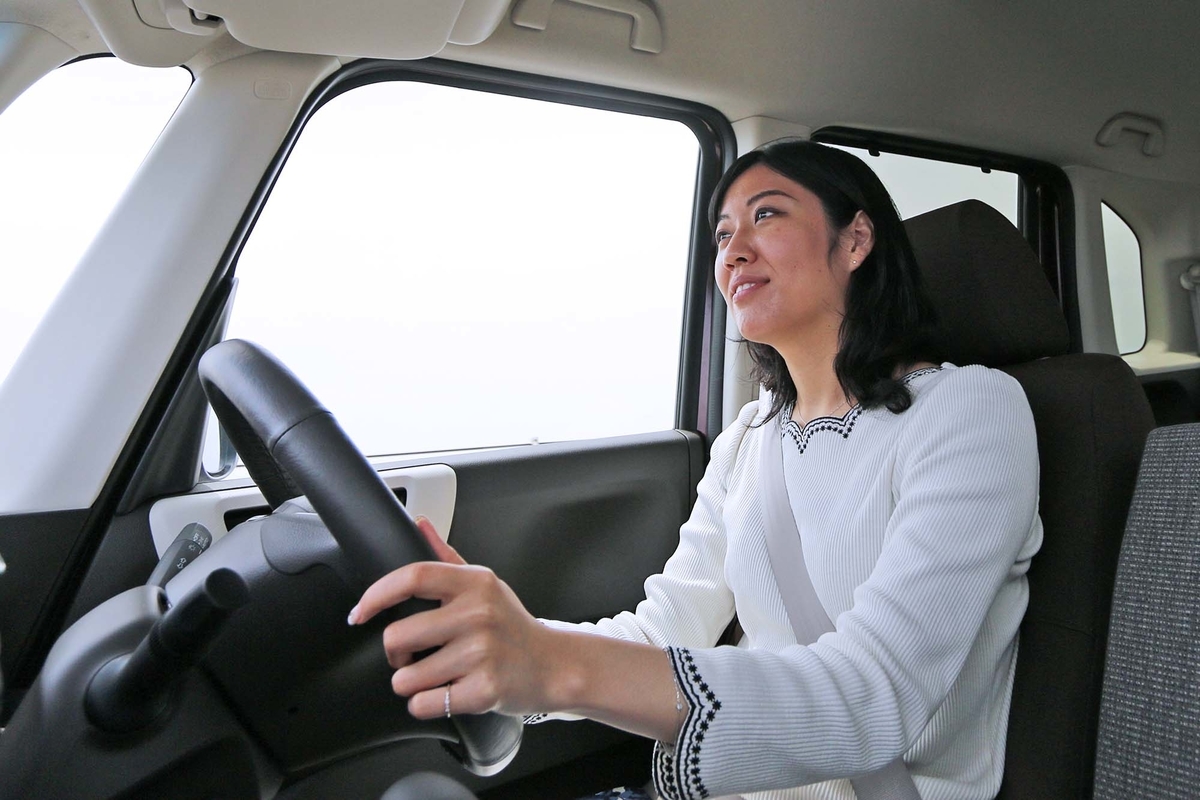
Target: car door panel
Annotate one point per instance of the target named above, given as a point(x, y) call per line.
point(576, 528)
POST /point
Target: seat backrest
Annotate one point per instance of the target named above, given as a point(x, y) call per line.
point(1149, 740)
point(1092, 417)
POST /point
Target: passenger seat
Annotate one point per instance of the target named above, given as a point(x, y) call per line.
point(1149, 742)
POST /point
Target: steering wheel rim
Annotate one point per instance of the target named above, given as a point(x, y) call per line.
point(291, 446)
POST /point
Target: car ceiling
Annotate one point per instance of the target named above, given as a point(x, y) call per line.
point(1028, 77)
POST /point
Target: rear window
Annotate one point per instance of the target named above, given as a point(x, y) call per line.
point(918, 185)
point(1123, 255)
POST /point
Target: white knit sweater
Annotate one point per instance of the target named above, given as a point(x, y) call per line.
point(917, 529)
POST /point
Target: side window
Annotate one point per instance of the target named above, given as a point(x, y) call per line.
point(72, 142)
point(918, 185)
point(1123, 255)
point(449, 268)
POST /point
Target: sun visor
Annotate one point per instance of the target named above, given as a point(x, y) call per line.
point(400, 29)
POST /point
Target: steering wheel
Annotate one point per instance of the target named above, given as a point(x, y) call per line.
point(231, 680)
point(293, 446)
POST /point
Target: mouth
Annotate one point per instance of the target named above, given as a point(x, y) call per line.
point(743, 286)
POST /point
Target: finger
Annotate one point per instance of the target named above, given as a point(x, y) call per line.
point(430, 580)
point(436, 669)
point(441, 549)
point(440, 701)
point(434, 703)
point(468, 695)
point(399, 659)
point(423, 631)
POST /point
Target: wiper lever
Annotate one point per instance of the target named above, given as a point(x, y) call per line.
point(133, 690)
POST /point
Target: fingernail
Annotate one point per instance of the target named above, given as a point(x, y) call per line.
point(353, 618)
point(420, 518)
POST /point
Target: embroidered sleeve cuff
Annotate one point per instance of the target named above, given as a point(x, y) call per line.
point(676, 770)
point(560, 716)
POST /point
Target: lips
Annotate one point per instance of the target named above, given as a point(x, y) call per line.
point(743, 285)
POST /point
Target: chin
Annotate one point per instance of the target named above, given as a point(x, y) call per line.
point(757, 330)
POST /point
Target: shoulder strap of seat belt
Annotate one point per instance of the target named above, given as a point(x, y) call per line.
point(808, 617)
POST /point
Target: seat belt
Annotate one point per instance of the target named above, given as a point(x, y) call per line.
point(808, 617)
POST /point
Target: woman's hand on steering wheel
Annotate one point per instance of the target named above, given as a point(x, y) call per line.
point(491, 652)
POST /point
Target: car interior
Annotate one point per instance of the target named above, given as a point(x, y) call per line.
point(275, 277)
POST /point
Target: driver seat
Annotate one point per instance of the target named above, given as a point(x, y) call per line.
point(1092, 417)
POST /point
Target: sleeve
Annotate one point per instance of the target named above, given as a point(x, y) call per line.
point(688, 603)
point(964, 525)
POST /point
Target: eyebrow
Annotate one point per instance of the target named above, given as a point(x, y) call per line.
point(760, 196)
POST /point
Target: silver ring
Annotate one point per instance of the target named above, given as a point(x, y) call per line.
point(446, 704)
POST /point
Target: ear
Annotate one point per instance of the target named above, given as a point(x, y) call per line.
point(859, 239)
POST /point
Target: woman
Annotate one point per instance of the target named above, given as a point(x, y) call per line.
point(914, 490)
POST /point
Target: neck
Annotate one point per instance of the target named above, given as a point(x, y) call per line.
point(810, 365)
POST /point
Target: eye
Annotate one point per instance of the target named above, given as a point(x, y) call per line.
point(720, 236)
point(764, 212)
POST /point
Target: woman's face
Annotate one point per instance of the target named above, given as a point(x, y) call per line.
point(778, 266)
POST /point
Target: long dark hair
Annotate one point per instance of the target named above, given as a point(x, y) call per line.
point(888, 317)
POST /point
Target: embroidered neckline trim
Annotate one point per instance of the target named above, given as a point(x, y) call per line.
point(843, 425)
point(839, 425)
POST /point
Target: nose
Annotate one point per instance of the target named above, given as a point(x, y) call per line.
point(738, 250)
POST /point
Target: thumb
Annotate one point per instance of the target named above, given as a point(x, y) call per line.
point(443, 551)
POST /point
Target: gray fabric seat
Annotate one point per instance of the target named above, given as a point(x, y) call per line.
point(1149, 740)
point(1092, 418)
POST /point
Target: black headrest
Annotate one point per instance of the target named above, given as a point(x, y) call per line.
point(994, 304)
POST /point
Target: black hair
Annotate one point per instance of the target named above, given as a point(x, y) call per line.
point(889, 318)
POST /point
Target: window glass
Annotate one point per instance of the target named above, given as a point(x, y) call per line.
point(71, 143)
point(918, 185)
point(448, 268)
point(1123, 255)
